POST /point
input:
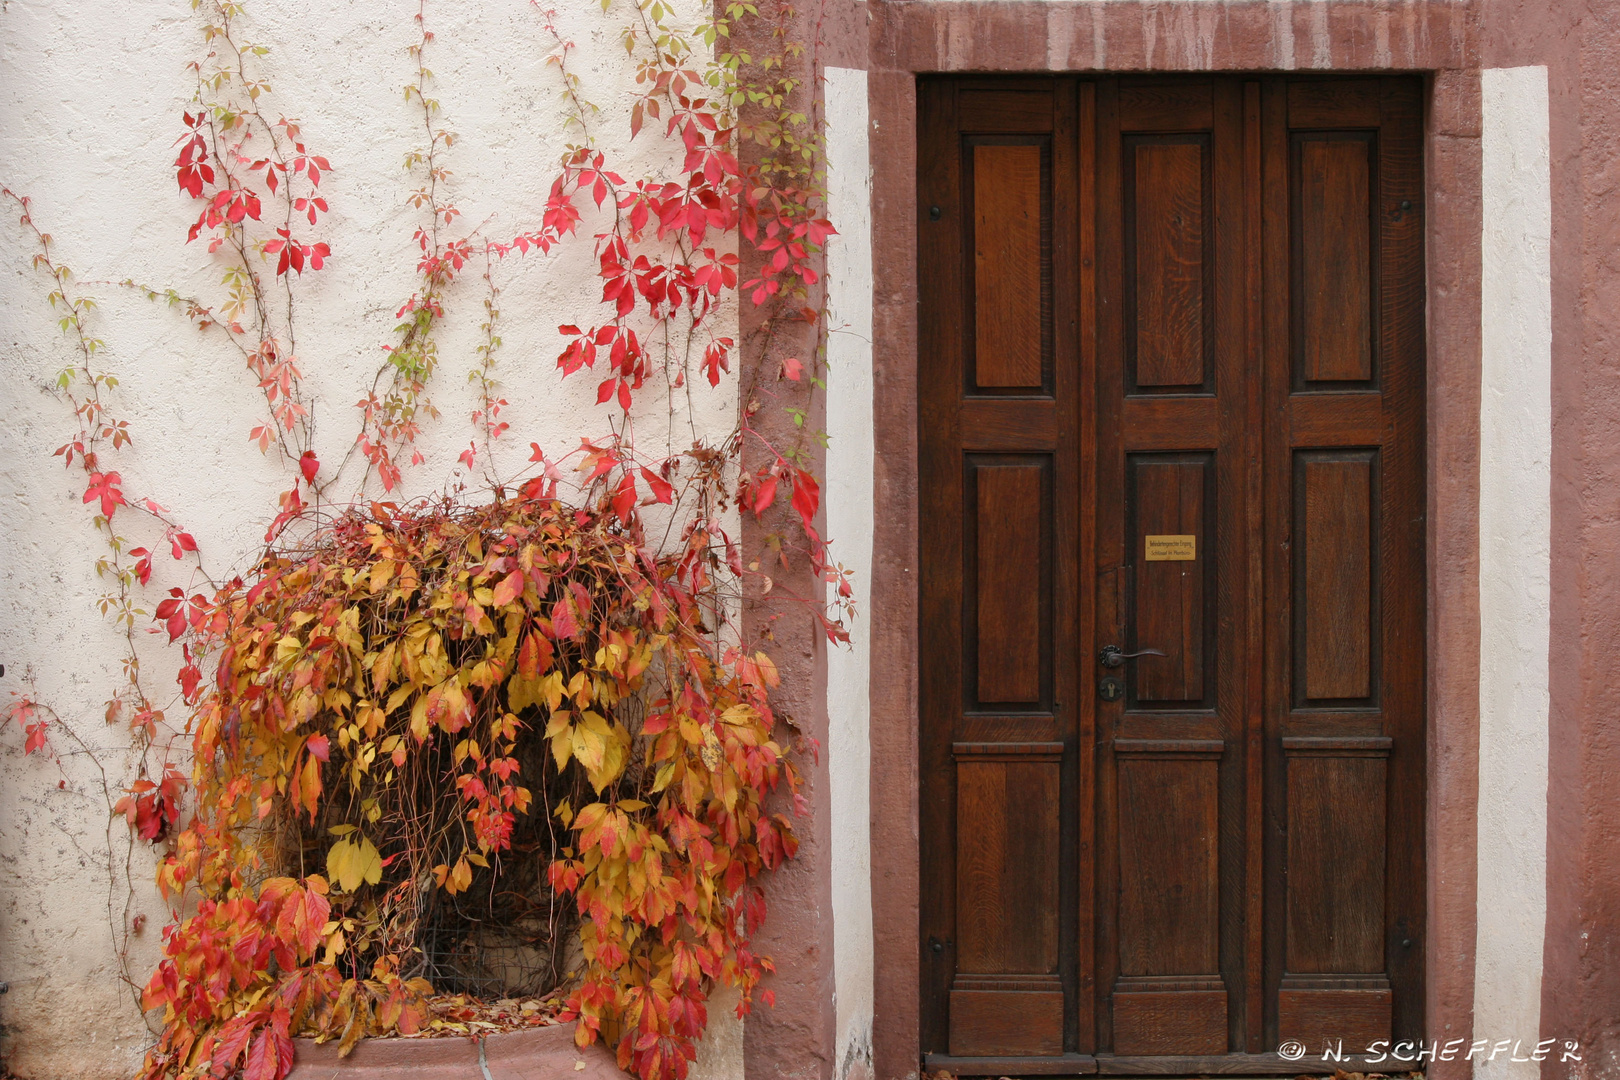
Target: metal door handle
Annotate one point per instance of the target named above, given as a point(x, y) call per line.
point(1112, 656)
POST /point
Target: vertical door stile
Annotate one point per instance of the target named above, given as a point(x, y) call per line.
point(1400, 236)
point(1237, 372)
point(1254, 631)
point(940, 340)
point(1085, 700)
point(1110, 571)
point(1274, 432)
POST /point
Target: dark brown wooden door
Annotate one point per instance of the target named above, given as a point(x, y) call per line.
point(1171, 405)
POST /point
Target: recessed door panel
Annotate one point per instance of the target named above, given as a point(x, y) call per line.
point(1168, 232)
point(1169, 843)
point(1336, 530)
point(1171, 508)
point(1011, 518)
point(1333, 213)
point(1008, 283)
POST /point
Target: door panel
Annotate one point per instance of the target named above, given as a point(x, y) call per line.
point(1012, 516)
point(1168, 481)
point(1333, 224)
point(999, 577)
point(1008, 275)
point(1171, 495)
point(1344, 518)
point(1171, 403)
point(1336, 531)
point(1166, 186)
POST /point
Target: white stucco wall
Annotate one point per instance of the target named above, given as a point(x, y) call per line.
point(1515, 510)
point(90, 104)
point(850, 460)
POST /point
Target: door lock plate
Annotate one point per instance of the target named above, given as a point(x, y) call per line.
point(1110, 688)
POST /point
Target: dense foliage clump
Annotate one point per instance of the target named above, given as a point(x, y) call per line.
point(407, 699)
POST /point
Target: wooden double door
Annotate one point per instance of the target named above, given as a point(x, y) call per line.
point(1172, 585)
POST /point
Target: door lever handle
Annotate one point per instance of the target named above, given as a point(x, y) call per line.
point(1112, 656)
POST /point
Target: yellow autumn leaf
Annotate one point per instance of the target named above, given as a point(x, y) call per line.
point(419, 720)
point(382, 668)
point(287, 647)
point(340, 865)
point(552, 685)
point(460, 877)
point(352, 863)
point(370, 861)
point(309, 785)
point(399, 695)
point(590, 748)
point(767, 669)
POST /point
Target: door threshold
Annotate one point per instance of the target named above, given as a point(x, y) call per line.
point(1063, 1065)
point(1166, 1067)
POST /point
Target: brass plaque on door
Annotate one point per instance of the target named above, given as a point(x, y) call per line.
point(1171, 549)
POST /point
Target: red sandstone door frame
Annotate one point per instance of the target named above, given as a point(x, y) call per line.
point(915, 38)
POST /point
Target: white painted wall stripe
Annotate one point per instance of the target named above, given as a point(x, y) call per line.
point(1515, 591)
point(850, 455)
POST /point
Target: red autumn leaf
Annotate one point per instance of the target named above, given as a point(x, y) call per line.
point(806, 496)
point(764, 495)
point(189, 678)
point(661, 488)
point(143, 564)
point(180, 543)
point(625, 500)
point(233, 1039)
point(262, 1059)
point(104, 486)
point(28, 718)
point(509, 588)
point(563, 624)
point(309, 466)
point(280, 1022)
point(716, 360)
point(176, 612)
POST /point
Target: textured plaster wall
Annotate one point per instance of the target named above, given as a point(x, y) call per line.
point(850, 523)
point(90, 103)
point(1515, 550)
